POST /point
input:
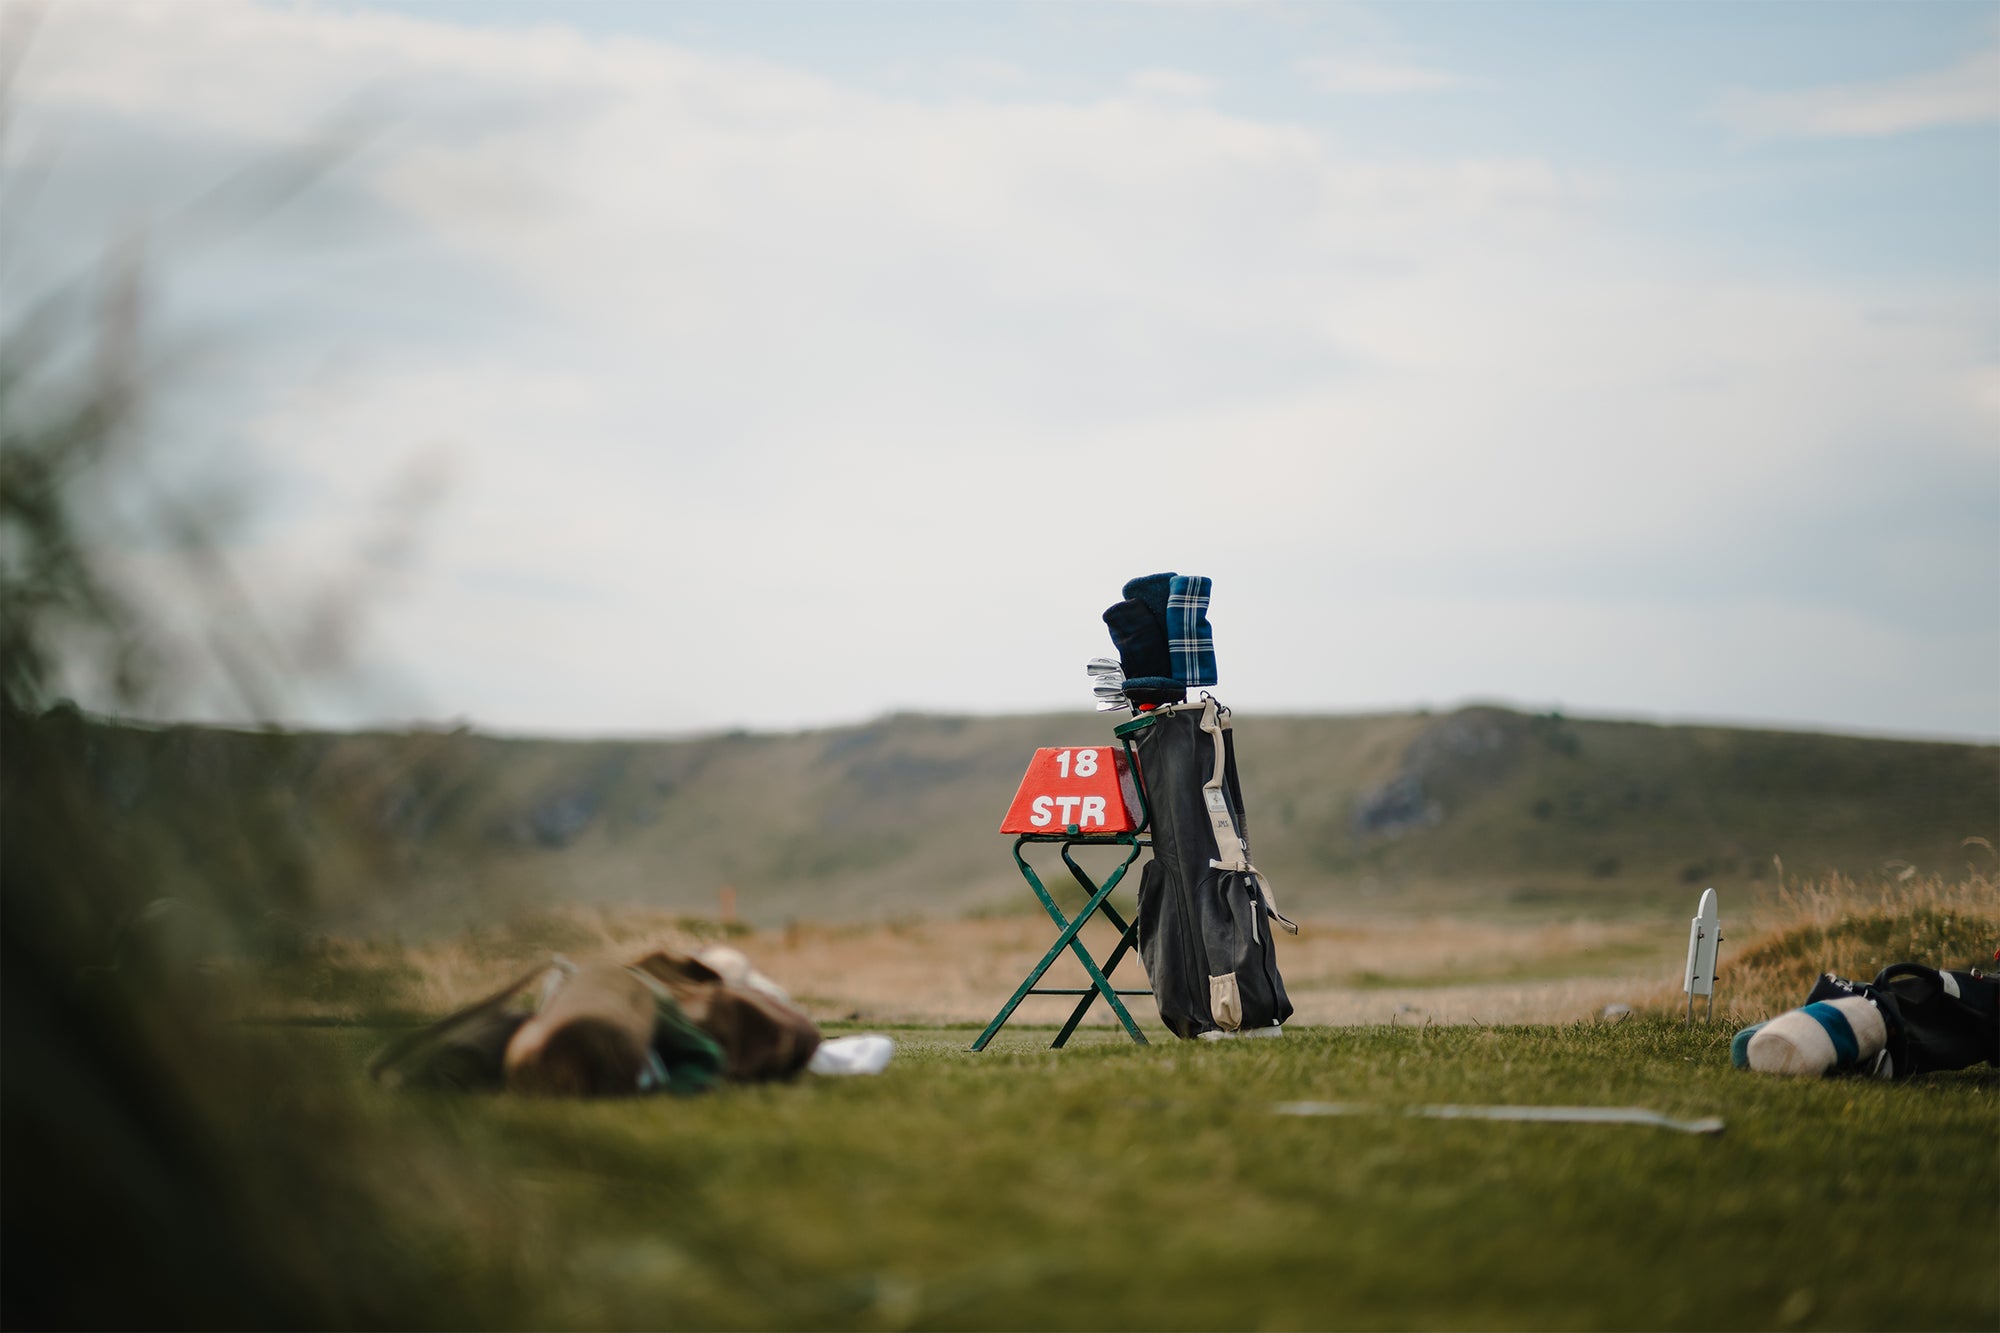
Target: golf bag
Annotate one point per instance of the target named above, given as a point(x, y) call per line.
point(1204, 909)
point(1936, 1020)
point(1912, 1020)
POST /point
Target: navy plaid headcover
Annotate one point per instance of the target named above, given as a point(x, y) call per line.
point(1189, 638)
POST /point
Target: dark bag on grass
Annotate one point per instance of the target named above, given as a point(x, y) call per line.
point(1205, 911)
point(1937, 1020)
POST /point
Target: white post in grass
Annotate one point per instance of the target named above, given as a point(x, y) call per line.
point(1704, 934)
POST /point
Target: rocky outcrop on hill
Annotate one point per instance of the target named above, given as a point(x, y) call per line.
point(1455, 756)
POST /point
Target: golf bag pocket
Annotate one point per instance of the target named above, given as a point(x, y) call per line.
point(1225, 1002)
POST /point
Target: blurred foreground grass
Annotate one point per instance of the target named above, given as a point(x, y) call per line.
point(1114, 1186)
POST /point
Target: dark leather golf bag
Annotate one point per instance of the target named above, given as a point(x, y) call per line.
point(1936, 1019)
point(1205, 912)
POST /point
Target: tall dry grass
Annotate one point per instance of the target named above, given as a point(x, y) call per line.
point(1852, 929)
point(345, 979)
point(1379, 970)
point(959, 971)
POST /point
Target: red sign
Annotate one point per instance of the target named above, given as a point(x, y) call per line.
point(1077, 789)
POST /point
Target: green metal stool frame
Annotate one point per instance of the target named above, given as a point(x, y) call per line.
point(1099, 901)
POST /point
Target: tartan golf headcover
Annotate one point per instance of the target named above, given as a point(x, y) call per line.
point(1190, 641)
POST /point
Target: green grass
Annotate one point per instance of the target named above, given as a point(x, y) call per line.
point(1114, 1186)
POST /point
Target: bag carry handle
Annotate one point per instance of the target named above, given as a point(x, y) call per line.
point(1935, 981)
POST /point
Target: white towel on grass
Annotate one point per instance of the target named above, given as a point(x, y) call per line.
point(867, 1053)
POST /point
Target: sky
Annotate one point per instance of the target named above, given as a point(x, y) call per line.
point(663, 367)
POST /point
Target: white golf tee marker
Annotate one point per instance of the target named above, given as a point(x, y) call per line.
point(1704, 935)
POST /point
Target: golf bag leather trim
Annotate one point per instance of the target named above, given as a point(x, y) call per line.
point(1203, 905)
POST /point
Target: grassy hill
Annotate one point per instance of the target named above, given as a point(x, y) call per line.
point(1479, 809)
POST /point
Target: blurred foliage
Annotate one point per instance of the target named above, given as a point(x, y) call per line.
point(53, 591)
point(162, 1169)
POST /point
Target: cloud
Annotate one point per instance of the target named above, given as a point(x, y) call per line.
point(732, 360)
point(1966, 93)
point(977, 74)
point(1170, 83)
point(1369, 78)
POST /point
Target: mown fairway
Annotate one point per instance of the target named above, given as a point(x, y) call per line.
point(1113, 1186)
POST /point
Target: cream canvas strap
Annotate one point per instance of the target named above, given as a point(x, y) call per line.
point(1231, 852)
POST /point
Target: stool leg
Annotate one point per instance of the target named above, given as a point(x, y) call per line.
point(1067, 940)
point(1097, 978)
point(1063, 941)
point(1007, 1009)
point(1126, 940)
point(1126, 936)
point(1100, 899)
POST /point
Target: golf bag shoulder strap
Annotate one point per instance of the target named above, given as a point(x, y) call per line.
point(1232, 852)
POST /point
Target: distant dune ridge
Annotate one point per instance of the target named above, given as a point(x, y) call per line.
point(1482, 807)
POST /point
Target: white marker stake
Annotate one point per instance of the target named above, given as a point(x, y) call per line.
point(1704, 935)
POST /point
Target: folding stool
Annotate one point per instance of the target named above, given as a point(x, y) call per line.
point(1060, 804)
